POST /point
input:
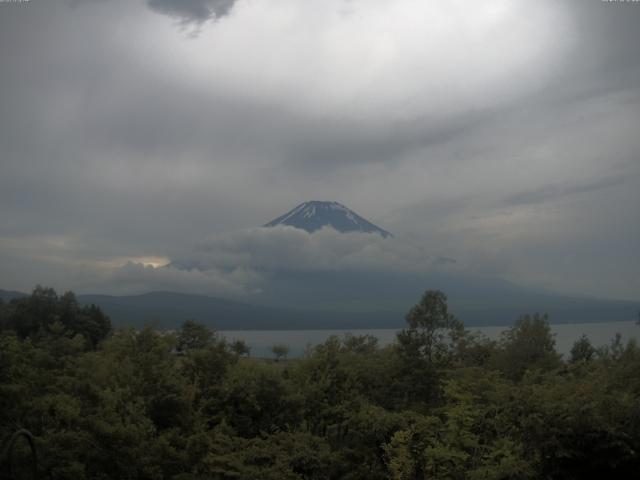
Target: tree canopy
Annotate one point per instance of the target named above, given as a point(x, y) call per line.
point(438, 403)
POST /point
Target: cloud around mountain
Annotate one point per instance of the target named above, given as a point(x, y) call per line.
point(241, 262)
point(285, 247)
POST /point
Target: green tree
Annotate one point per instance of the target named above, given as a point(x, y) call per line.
point(193, 335)
point(206, 370)
point(424, 349)
point(280, 350)
point(277, 456)
point(240, 348)
point(360, 344)
point(256, 398)
point(582, 350)
point(30, 316)
point(44, 313)
point(433, 332)
point(528, 344)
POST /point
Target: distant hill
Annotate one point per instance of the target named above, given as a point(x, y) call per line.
point(169, 309)
point(477, 300)
point(314, 215)
point(7, 295)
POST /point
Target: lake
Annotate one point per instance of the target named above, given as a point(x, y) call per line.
point(261, 341)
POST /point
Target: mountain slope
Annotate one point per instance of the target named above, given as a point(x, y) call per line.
point(169, 309)
point(477, 300)
point(314, 215)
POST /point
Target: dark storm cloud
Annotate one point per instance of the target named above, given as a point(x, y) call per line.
point(186, 11)
point(197, 11)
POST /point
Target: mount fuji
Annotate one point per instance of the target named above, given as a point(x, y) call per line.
point(314, 215)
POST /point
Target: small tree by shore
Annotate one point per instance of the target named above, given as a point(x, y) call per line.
point(280, 350)
point(240, 348)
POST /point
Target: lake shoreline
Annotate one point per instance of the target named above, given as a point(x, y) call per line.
point(260, 341)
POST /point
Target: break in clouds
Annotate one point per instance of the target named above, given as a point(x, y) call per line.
point(501, 134)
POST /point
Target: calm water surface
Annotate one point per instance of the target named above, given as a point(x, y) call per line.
point(261, 341)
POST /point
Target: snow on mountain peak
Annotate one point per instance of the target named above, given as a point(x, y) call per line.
point(314, 215)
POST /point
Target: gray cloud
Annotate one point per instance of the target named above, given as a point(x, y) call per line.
point(197, 11)
point(294, 249)
point(551, 193)
point(118, 147)
point(138, 278)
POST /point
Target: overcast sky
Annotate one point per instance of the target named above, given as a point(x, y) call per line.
point(502, 134)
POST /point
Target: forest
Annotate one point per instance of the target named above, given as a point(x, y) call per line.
point(441, 402)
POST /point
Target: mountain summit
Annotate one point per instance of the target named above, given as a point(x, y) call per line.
point(314, 215)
